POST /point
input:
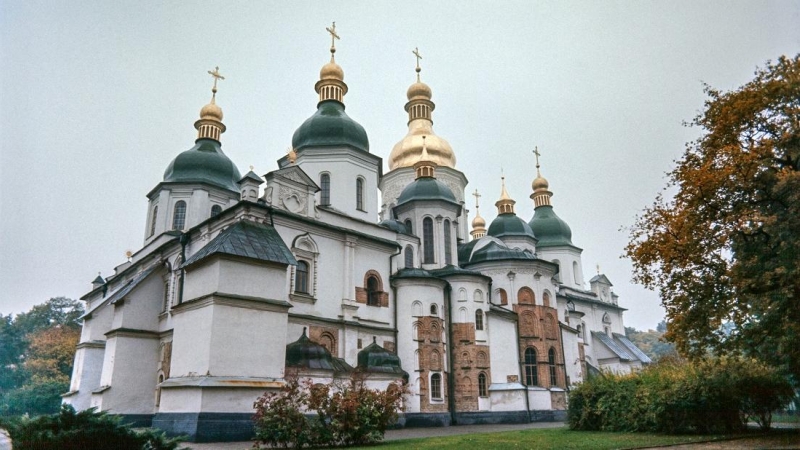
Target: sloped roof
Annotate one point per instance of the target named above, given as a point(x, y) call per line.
point(615, 347)
point(632, 348)
point(249, 240)
point(600, 278)
point(125, 289)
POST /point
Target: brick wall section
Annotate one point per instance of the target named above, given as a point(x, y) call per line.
point(326, 336)
point(361, 297)
point(535, 330)
point(470, 359)
point(430, 342)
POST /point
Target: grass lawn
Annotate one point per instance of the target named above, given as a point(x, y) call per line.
point(555, 438)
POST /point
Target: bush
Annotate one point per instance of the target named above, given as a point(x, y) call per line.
point(304, 414)
point(709, 396)
point(70, 430)
point(34, 399)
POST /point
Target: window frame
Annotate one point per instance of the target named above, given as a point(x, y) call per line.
point(483, 390)
point(325, 189)
point(448, 247)
point(372, 286)
point(301, 278)
point(360, 194)
point(436, 387)
point(531, 367)
point(428, 241)
point(551, 363)
point(216, 208)
point(408, 257)
point(179, 215)
point(479, 325)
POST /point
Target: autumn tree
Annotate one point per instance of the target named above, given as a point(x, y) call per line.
point(724, 252)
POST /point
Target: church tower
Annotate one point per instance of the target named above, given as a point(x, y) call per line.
point(333, 149)
point(409, 150)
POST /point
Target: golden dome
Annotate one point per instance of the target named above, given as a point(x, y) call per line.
point(540, 183)
point(419, 91)
point(211, 111)
point(331, 71)
point(478, 222)
point(408, 151)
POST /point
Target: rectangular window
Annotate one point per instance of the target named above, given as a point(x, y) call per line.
point(427, 240)
point(436, 386)
point(448, 258)
point(360, 194)
point(325, 182)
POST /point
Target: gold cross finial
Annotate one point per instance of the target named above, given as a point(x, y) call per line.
point(416, 53)
point(536, 152)
point(477, 197)
point(215, 73)
point(334, 36)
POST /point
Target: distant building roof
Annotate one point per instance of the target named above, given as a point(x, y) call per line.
point(615, 347)
point(632, 348)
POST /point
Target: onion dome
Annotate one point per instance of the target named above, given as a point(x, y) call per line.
point(478, 223)
point(550, 229)
point(507, 223)
point(308, 354)
point(420, 123)
point(205, 162)
point(426, 186)
point(330, 126)
point(375, 358)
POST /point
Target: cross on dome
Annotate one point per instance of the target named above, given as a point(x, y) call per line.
point(217, 76)
point(416, 53)
point(334, 36)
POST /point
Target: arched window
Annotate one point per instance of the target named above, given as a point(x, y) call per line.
point(301, 277)
point(525, 296)
point(179, 216)
point(325, 186)
point(436, 360)
point(434, 310)
point(575, 273)
point(436, 386)
point(479, 319)
point(551, 361)
point(503, 296)
point(448, 257)
point(546, 299)
point(373, 292)
point(409, 256)
point(215, 210)
point(477, 295)
point(427, 240)
point(409, 228)
point(360, 194)
point(531, 370)
point(557, 276)
point(462, 295)
point(482, 390)
point(550, 327)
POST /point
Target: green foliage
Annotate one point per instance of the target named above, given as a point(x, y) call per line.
point(723, 251)
point(70, 430)
point(331, 415)
point(651, 342)
point(34, 399)
point(709, 396)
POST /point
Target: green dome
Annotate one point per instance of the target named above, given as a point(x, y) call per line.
point(550, 229)
point(509, 225)
point(375, 358)
point(330, 126)
point(426, 188)
point(204, 163)
point(306, 353)
point(496, 252)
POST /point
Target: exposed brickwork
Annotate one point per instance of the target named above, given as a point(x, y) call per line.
point(470, 360)
point(389, 345)
point(432, 350)
point(538, 328)
point(325, 336)
point(166, 358)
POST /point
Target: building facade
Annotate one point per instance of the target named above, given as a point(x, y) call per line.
point(328, 265)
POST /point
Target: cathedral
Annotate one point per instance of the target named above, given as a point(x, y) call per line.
point(327, 265)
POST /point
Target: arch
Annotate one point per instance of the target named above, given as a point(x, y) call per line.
point(448, 256)
point(325, 188)
point(417, 331)
point(301, 277)
point(525, 296)
point(360, 194)
point(466, 385)
point(434, 310)
point(606, 318)
point(328, 340)
point(409, 228)
point(305, 242)
point(465, 359)
point(436, 360)
point(462, 295)
point(503, 296)
point(462, 315)
point(481, 359)
point(575, 273)
point(179, 216)
point(416, 308)
point(530, 324)
point(477, 295)
point(436, 386)
point(153, 220)
point(551, 363)
point(427, 240)
point(550, 327)
point(409, 257)
point(482, 388)
point(531, 367)
point(374, 287)
point(435, 332)
point(546, 298)
point(479, 319)
point(216, 210)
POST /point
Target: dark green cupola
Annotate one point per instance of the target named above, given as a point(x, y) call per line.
point(375, 358)
point(507, 223)
point(550, 229)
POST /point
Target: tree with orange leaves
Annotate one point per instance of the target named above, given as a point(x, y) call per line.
point(724, 252)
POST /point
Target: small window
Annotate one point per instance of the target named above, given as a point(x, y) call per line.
point(153, 221)
point(179, 216)
point(477, 295)
point(503, 296)
point(325, 185)
point(359, 194)
point(434, 310)
point(436, 386)
point(215, 210)
point(482, 390)
point(301, 278)
point(373, 293)
point(531, 369)
point(409, 257)
point(551, 361)
point(427, 240)
point(448, 258)
point(479, 319)
point(409, 228)
point(575, 273)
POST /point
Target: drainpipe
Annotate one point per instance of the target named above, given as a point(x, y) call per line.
point(184, 240)
point(451, 387)
point(394, 296)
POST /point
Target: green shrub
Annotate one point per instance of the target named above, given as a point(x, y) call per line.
point(70, 430)
point(34, 399)
point(302, 414)
point(716, 395)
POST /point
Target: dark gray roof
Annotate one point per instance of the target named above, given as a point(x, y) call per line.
point(600, 278)
point(249, 240)
point(632, 348)
point(125, 289)
point(617, 348)
point(251, 176)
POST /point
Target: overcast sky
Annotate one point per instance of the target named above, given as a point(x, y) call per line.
point(98, 97)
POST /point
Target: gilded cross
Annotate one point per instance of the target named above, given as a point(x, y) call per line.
point(332, 31)
point(215, 73)
point(536, 152)
point(477, 197)
point(416, 53)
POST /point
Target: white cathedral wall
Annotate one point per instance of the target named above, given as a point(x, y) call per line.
point(504, 355)
point(572, 362)
point(132, 385)
point(191, 342)
point(565, 256)
point(141, 307)
point(86, 373)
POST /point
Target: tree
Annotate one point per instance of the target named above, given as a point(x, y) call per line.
point(724, 250)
